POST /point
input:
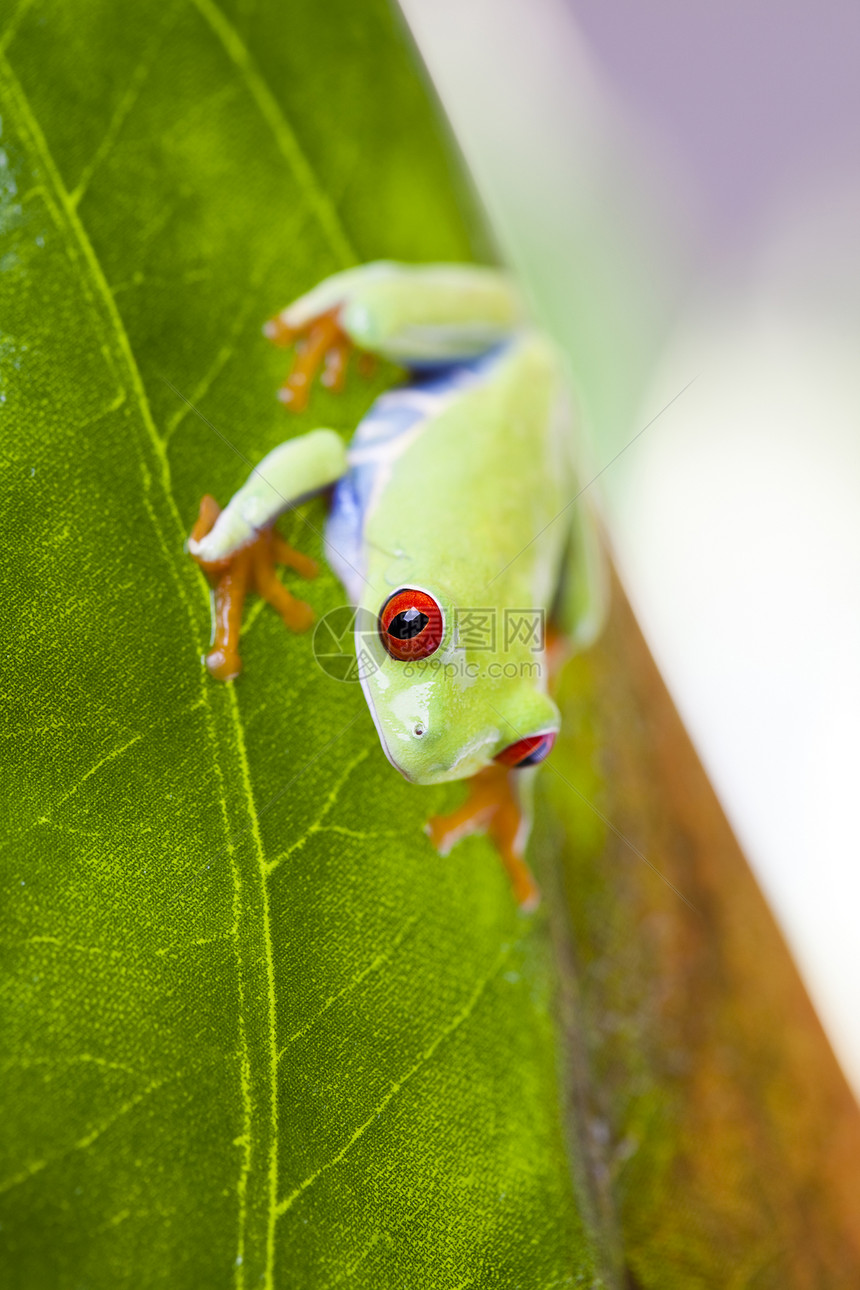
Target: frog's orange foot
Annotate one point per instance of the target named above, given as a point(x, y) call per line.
point(252, 567)
point(491, 807)
point(319, 343)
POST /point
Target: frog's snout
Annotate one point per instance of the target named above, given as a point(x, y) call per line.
point(427, 752)
point(414, 734)
point(413, 748)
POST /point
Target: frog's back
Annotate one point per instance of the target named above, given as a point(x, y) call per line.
point(478, 445)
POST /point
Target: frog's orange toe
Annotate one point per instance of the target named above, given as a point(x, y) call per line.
point(252, 567)
point(445, 831)
point(301, 618)
point(526, 890)
point(437, 833)
point(224, 664)
point(266, 551)
point(294, 392)
point(286, 554)
point(321, 342)
point(278, 332)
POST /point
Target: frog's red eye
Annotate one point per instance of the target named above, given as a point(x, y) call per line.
point(411, 625)
point(528, 751)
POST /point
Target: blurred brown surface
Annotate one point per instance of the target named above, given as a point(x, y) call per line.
point(720, 1130)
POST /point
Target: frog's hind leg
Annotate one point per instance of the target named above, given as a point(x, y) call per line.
point(493, 806)
point(322, 340)
point(420, 316)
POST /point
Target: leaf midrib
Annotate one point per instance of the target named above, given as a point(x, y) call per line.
point(97, 290)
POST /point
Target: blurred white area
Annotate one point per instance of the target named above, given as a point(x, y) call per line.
point(568, 186)
point(738, 535)
point(735, 516)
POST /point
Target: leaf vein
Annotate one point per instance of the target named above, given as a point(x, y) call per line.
point(94, 769)
point(67, 945)
point(225, 353)
point(80, 248)
point(327, 806)
point(384, 1234)
point(459, 1019)
point(36, 1166)
point(270, 984)
point(383, 957)
point(87, 1140)
point(283, 133)
point(13, 24)
point(31, 1063)
point(121, 112)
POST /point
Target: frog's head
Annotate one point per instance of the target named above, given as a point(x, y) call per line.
point(443, 711)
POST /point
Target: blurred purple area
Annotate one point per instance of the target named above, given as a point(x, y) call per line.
point(756, 97)
point(707, 229)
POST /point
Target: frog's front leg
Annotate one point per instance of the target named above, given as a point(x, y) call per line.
point(251, 568)
point(238, 547)
point(419, 316)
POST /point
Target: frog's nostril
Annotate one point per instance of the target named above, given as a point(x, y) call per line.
point(418, 730)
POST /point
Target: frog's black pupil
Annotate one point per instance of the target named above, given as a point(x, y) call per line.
point(409, 623)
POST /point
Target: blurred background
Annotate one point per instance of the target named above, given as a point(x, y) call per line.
point(679, 189)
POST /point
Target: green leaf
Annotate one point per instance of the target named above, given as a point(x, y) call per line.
point(255, 1031)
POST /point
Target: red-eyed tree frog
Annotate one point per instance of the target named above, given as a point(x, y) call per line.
point(453, 528)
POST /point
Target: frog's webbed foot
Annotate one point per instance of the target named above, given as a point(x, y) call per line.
point(491, 807)
point(320, 342)
point(251, 568)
